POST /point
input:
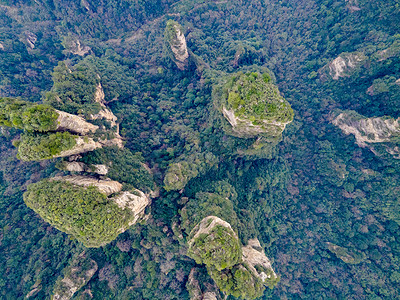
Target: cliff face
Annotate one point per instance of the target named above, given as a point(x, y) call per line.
point(104, 113)
point(344, 64)
point(214, 243)
point(377, 134)
point(253, 106)
point(83, 144)
point(367, 130)
point(258, 263)
point(136, 202)
point(74, 124)
point(76, 275)
point(107, 187)
point(177, 44)
point(245, 127)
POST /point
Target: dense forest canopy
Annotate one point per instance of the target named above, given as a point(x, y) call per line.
point(323, 206)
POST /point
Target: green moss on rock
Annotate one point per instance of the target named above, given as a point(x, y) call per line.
point(213, 243)
point(40, 146)
point(83, 212)
point(253, 105)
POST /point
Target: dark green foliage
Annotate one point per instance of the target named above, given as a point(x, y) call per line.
point(124, 166)
point(40, 146)
point(217, 248)
point(26, 115)
point(84, 213)
point(74, 89)
point(253, 97)
point(238, 281)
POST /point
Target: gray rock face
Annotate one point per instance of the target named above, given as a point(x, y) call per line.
point(83, 144)
point(246, 128)
point(254, 255)
point(343, 64)
point(136, 202)
point(370, 132)
point(367, 130)
point(177, 44)
point(77, 275)
point(73, 123)
point(104, 113)
point(74, 166)
point(107, 187)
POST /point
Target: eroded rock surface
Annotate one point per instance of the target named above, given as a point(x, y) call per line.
point(258, 263)
point(343, 64)
point(107, 187)
point(136, 202)
point(76, 276)
point(104, 113)
point(177, 44)
point(74, 166)
point(214, 243)
point(74, 124)
point(83, 144)
point(367, 130)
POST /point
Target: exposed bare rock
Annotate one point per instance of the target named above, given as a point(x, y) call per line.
point(37, 287)
point(104, 113)
point(83, 144)
point(195, 291)
point(99, 169)
point(343, 64)
point(31, 39)
point(207, 225)
point(1, 46)
point(246, 127)
point(74, 123)
point(78, 49)
point(177, 44)
point(254, 256)
point(209, 296)
point(76, 275)
point(377, 134)
point(85, 4)
point(367, 130)
point(398, 81)
point(107, 187)
point(74, 166)
point(136, 202)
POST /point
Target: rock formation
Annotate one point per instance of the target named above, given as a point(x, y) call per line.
point(74, 123)
point(107, 187)
point(76, 276)
point(74, 166)
point(344, 64)
point(104, 113)
point(214, 243)
point(253, 106)
point(176, 44)
point(367, 130)
point(258, 263)
point(136, 201)
point(370, 132)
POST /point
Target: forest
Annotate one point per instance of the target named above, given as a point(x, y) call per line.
point(174, 78)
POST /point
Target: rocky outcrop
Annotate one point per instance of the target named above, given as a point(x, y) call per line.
point(31, 39)
point(74, 123)
point(214, 243)
point(83, 144)
point(209, 292)
point(76, 276)
point(258, 263)
point(245, 127)
point(367, 130)
point(77, 48)
point(177, 44)
point(136, 201)
point(344, 64)
point(104, 113)
point(107, 187)
point(74, 166)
